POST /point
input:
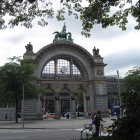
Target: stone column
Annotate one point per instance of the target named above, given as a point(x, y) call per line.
point(39, 107)
point(88, 103)
point(57, 105)
point(55, 67)
point(85, 104)
point(92, 98)
point(73, 107)
point(71, 70)
point(101, 97)
point(43, 103)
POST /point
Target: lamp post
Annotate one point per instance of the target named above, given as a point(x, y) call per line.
point(119, 91)
point(23, 105)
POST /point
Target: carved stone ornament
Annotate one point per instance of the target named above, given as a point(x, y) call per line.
point(29, 48)
point(96, 52)
point(99, 72)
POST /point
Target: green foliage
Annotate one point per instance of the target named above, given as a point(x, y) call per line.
point(128, 127)
point(79, 97)
point(132, 80)
point(12, 77)
point(104, 12)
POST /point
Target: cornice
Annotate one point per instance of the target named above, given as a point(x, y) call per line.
point(64, 46)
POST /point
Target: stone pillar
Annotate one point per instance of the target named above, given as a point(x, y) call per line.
point(57, 105)
point(73, 104)
point(73, 107)
point(88, 103)
point(101, 97)
point(43, 103)
point(71, 70)
point(55, 67)
point(85, 105)
point(92, 98)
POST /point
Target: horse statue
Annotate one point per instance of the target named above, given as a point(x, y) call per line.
point(62, 35)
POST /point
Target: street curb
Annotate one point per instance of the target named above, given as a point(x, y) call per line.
point(36, 128)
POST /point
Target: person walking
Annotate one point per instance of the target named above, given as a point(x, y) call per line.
point(97, 122)
point(93, 117)
point(78, 114)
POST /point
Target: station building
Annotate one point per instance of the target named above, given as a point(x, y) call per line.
point(64, 70)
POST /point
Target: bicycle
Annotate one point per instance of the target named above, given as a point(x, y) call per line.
point(88, 130)
point(105, 130)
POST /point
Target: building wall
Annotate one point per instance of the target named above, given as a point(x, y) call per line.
point(94, 86)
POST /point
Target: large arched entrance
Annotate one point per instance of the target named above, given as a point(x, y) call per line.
point(64, 69)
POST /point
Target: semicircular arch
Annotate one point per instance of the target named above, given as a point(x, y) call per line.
point(67, 67)
point(72, 51)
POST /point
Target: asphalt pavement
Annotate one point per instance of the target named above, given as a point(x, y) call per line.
point(51, 123)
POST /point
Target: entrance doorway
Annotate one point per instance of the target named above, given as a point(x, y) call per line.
point(65, 106)
point(50, 106)
point(79, 101)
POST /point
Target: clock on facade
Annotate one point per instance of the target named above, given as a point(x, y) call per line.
point(63, 69)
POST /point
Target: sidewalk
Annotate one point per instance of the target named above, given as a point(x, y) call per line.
point(50, 124)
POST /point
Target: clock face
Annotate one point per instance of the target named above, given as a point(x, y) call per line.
point(63, 69)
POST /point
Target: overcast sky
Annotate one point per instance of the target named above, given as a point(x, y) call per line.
point(120, 49)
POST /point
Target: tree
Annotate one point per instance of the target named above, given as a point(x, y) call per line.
point(12, 77)
point(104, 12)
point(128, 127)
point(79, 98)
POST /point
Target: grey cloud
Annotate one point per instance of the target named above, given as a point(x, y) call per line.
point(15, 38)
point(122, 59)
point(100, 33)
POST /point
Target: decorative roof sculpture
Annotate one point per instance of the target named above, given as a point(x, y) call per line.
point(96, 52)
point(29, 48)
point(63, 35)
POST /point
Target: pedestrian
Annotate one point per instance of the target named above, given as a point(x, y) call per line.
point(93, 117)
point(97, 122)
point(78, 114)
point(67, 115)
point(6, 116)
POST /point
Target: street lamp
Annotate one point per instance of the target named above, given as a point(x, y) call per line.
point(119, 91)
point(23, 105)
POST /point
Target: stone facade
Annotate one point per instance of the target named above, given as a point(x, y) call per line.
point(62, 69)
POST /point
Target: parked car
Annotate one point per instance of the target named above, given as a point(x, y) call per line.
point(67, 115)
point(81, 114)
point(50, 115)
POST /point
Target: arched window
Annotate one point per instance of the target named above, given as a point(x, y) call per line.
point(62, 69)
point(49, 70)
point(49, 92)
point(64, 92)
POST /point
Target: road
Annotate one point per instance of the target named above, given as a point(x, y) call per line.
point(68, 129)
point(39, 134)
